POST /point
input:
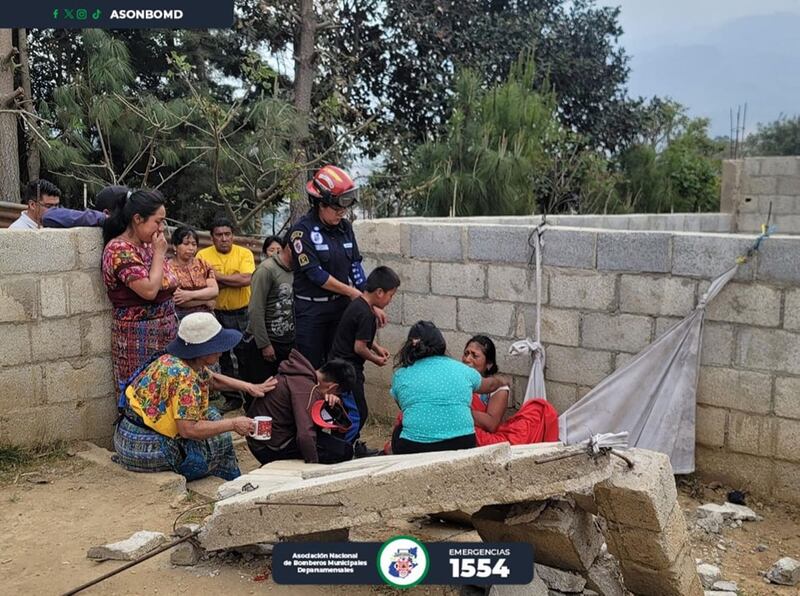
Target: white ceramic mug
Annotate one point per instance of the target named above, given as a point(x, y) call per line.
point(263, 428)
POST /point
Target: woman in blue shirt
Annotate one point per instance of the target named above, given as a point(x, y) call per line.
point(434, 393)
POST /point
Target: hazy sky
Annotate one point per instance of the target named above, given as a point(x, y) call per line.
point(650, 23)
point(715, 55)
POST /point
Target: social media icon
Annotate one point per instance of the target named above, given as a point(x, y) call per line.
point(97, 14)
point(69, 14)
point(81, 14)
point(55, 13)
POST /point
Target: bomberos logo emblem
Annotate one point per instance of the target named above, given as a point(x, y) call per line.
point(403, 562)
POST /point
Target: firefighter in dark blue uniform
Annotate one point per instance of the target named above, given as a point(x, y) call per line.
point(327, 263)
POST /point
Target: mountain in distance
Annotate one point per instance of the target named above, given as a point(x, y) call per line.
point(752, 59)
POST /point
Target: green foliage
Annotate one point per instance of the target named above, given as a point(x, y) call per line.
point(781, 137)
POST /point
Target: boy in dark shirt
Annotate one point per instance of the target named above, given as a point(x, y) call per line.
point(355, 337)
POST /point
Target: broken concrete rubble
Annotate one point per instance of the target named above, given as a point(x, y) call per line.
point(728, 511)
point(709, 574)
point(365, 491)
point(785, 571)
point(137, 545)
point(523, 493)
point(562, 535)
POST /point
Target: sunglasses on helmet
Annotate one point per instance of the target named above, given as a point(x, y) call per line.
point(344, 200)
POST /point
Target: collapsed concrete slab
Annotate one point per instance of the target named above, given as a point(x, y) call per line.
point(645, 527)
point(290, 498)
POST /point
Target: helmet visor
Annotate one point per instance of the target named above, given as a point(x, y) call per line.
point(346, 199)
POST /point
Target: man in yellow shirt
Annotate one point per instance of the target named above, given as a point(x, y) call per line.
point(233, 266)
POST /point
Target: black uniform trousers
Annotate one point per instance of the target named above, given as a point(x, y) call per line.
point(232, 319)
point(315, 327)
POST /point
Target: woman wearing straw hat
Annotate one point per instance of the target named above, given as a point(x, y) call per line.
point(166, 422)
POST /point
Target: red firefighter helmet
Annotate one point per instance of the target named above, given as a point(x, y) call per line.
point(333, 186)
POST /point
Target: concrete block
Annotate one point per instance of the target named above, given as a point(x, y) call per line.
point(760, 185)
point(499, 244)
point(129, 549)
point(561, 396)
point(562, 535)
point(785, 572)
point(42, 251)
point(779, 260)
point(577, 365)
point(787, 397)
point(749, 434)
point(451, 279)
point(394, 311)
point(56, 338)
point(560, 582)
point(16, 345)
point(641, 497)
point(591, 291)
point(569, 248)
point(623, 359)
point(89, 243)
point(436, 242)
point(750, 304)
point(711, 424)
point(771, 350)
point(662, 296)
point(415, 275)
point(752, 474)
point(787, 224)
point(439, 309)
point(717, 344)
point(752, 165)
point(709, 574)
point(605, 577)
point(20, 387)
point(786, 486)
point(513, 365)
point(537, 587)
point(788, 185)
point(750, 205)
point(185, 554)
point(514, 284)
point(709, 255)
point(392, 338)
point(732, 171)
point(41, 425)
point(656, 550)
point(634, 251)
point(99, 415)
point(628, 333)
point(780, 166)
point(780, 206)
point(86, 292)
point(53, 296)
point(737, 389)
point(559, 326)
point(749, 223)
point(492, 318)
point(18, 299)
point(79, 379)
point(678, 580)
point(787, 445)
point(383, 236)
point(96, 334)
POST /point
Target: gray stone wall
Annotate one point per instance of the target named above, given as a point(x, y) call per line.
point(606, 295)
point(751, 185)
point(55, 328)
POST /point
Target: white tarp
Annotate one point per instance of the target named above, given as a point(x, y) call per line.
point(653, 396)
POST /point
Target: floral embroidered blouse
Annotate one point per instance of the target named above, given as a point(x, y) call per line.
point(124, 263)
point(193, 276)
point(169, 390)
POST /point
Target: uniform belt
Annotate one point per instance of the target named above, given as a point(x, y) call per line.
point(318, 299)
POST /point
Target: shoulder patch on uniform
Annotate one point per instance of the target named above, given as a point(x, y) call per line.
point(297, 234)
point(303, 260)
point(298, 246)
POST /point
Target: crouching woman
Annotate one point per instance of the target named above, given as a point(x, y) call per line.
point(166, 422)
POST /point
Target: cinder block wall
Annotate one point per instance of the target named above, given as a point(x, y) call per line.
point(55, 329)
point(607, 294)
point(750, 185)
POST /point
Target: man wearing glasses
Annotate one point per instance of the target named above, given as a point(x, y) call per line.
point(327, 263)
point(40, 195)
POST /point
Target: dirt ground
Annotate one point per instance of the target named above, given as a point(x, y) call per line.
point(52, 511)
